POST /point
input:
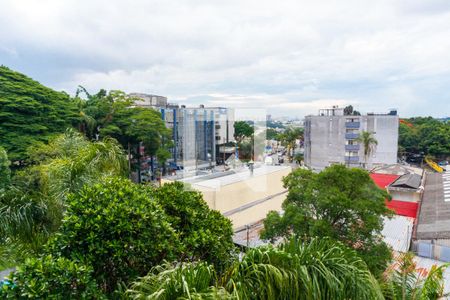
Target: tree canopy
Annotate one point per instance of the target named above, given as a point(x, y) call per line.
point(424, 135)
point(242, 130)
point(32, 205)
point(114, 114)
point(289, 139)
point(123, 229)
point(338, 202)
point(5, 172)
point(30, 113)
point(272, 134)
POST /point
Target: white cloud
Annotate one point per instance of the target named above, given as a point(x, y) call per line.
point(288, 56)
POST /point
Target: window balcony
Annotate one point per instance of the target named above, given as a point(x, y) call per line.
point(352, 124)
point(352, 147)
point(351, 136)
point(352, 158)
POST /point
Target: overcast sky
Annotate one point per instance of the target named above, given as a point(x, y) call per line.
point(289, 57)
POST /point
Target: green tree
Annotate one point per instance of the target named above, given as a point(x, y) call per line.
point(272, 134)
point(242, 130)
point(115, 115)
point(124, 229)
point(338, 202)
point(32, 207)
point(318, 269)
point(51, 278)
point(5, 172)
point(368, 143)
point(403, 280)
point(348, 111)
point(289, 139)
point(117, 228)
point(425, 136)
point(30, 113)
point(204, 234)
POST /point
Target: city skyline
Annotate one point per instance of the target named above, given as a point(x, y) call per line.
point(289, 58)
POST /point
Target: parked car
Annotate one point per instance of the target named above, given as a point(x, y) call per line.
point(443, 163)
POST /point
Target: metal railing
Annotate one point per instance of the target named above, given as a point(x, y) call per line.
point(351, 147)
point(352, 124)
point(351, 136)
point(352, 158)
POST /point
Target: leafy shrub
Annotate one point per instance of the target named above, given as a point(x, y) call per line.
point(316, 269)
point(51, 278)
point(205, 234)
point(117, 228)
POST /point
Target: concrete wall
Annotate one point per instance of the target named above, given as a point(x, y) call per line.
point(405, 196)
point(385, 130)
point(256, 212)
point(325, 140)
point(249, 200)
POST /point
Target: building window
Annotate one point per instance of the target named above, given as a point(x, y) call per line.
point(351, 153)
point(351, 120)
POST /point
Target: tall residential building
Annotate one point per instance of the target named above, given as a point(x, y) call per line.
point(197, 132)
point(331, 138)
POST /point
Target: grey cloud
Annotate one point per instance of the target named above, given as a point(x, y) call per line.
point(282, 55)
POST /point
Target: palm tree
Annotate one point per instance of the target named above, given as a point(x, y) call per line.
point(369, 143)
point(289, 138)
point(32, 207)
point(403, 280)
point(317, 269)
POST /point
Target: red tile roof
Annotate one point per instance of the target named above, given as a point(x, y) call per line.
point(383, 180)
point(403, 208)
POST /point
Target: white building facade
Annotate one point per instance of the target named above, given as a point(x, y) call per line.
point(331, 138)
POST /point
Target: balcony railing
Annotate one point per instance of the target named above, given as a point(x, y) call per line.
point(351, 147)
point(352, 124)
point(351, 136)
point(352, 158)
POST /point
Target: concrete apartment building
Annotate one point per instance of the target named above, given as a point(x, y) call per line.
point(197, 132)
point(331, 138)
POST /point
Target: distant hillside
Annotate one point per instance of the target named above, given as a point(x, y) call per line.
point(30, 112)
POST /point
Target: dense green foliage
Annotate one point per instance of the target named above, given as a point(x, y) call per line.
point(5, 172)
point(114, 114)
point(242, 130)
point(272, 134)
point(318, 269)
point(30, 113)
point(32, 206)
point(404, 281)
point(117, 228)
point(340, 203)
point(51, 278)
point(289, 139)
point(348, 111)
point(123, 229)
point(424, 135)
point(204, 234)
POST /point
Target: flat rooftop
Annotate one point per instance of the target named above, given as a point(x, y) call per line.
point(434, 217)
point(219, 179)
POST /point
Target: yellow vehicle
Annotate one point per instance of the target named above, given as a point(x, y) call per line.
point(434, 165)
